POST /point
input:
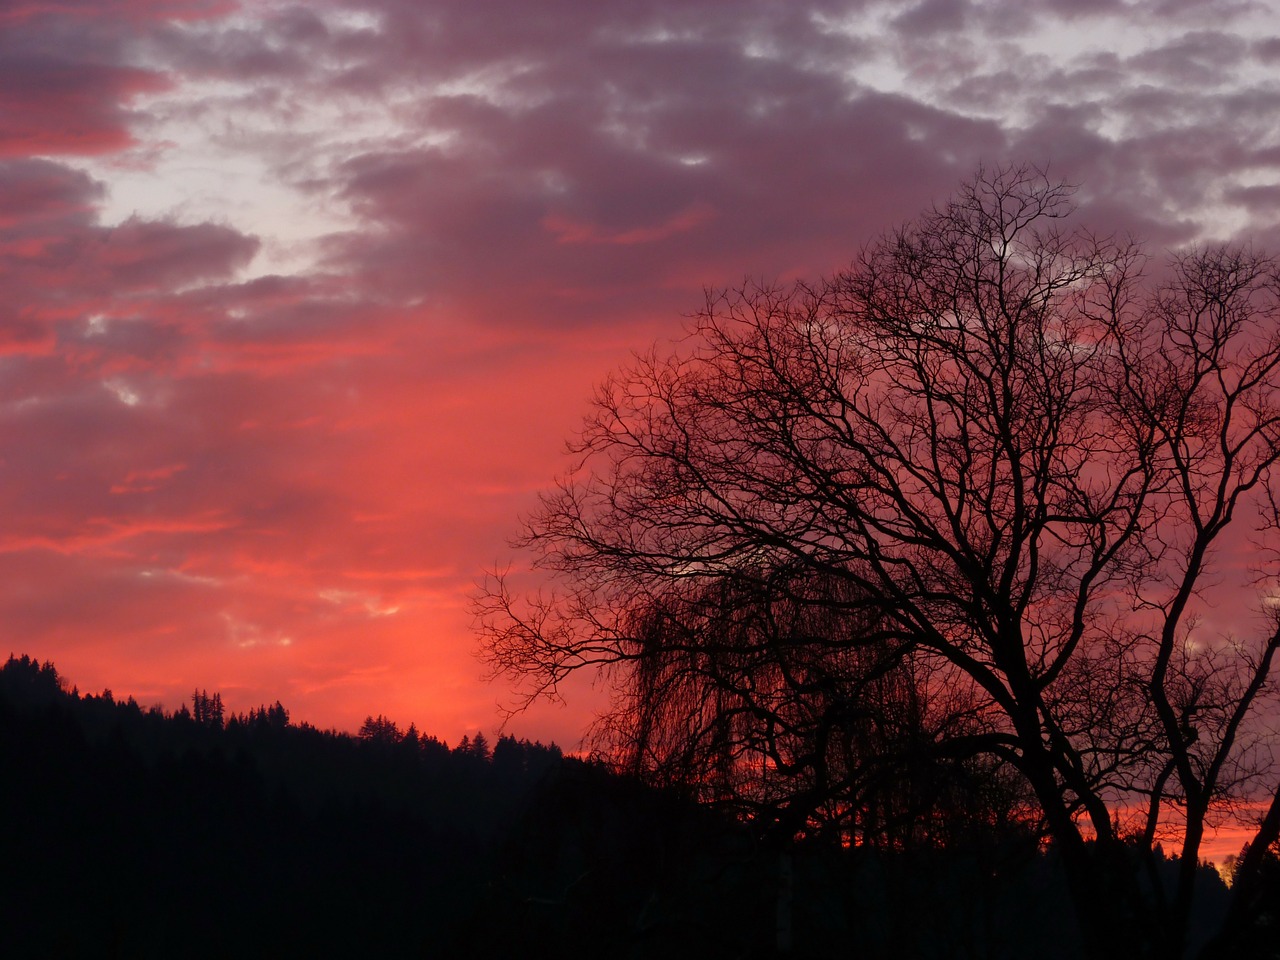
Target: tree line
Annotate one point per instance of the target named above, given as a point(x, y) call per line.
point(131, 831)
point(144, 833)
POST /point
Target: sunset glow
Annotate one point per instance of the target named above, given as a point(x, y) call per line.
point(302, 301)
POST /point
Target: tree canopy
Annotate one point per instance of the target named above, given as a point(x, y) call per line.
point(994, 501)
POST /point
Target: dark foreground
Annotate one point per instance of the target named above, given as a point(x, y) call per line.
point(133, 833)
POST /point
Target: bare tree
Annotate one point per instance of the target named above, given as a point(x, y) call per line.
point(991, 468)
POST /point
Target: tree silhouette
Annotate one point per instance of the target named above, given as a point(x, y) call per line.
point(967, 500)
point(168, 834)
point(380, 730)
point(207, 711)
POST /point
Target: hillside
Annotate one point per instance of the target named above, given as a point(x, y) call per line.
point(139, 833)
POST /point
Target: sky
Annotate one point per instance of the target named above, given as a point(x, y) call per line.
point(301, 301)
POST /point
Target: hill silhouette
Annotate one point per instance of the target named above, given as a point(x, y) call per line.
point(132, 832)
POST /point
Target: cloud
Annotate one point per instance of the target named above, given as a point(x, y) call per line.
point(933, 16)
point(66, 81)
point(567, 230)
point(88, 99)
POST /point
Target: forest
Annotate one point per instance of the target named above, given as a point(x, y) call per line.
point(132, 831)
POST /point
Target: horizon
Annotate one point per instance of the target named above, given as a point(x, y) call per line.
point(1221, 846)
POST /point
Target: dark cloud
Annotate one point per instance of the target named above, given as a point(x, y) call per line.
point(131, 12)
point(684, 149)
point(88, 100)
point(66, 79)
point(934, 16)
point(1200, 59)
point(1196, 11)
point(140, 254)
point(1267, 50)
point(1259, 201)
point(39, 191)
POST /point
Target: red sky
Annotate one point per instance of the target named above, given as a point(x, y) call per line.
point(301, 301)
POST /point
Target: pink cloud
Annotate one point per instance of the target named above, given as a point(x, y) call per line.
point(571, 231)
point(147, 481)
point(89, 100)
point(22, 11)
point(141, 255)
